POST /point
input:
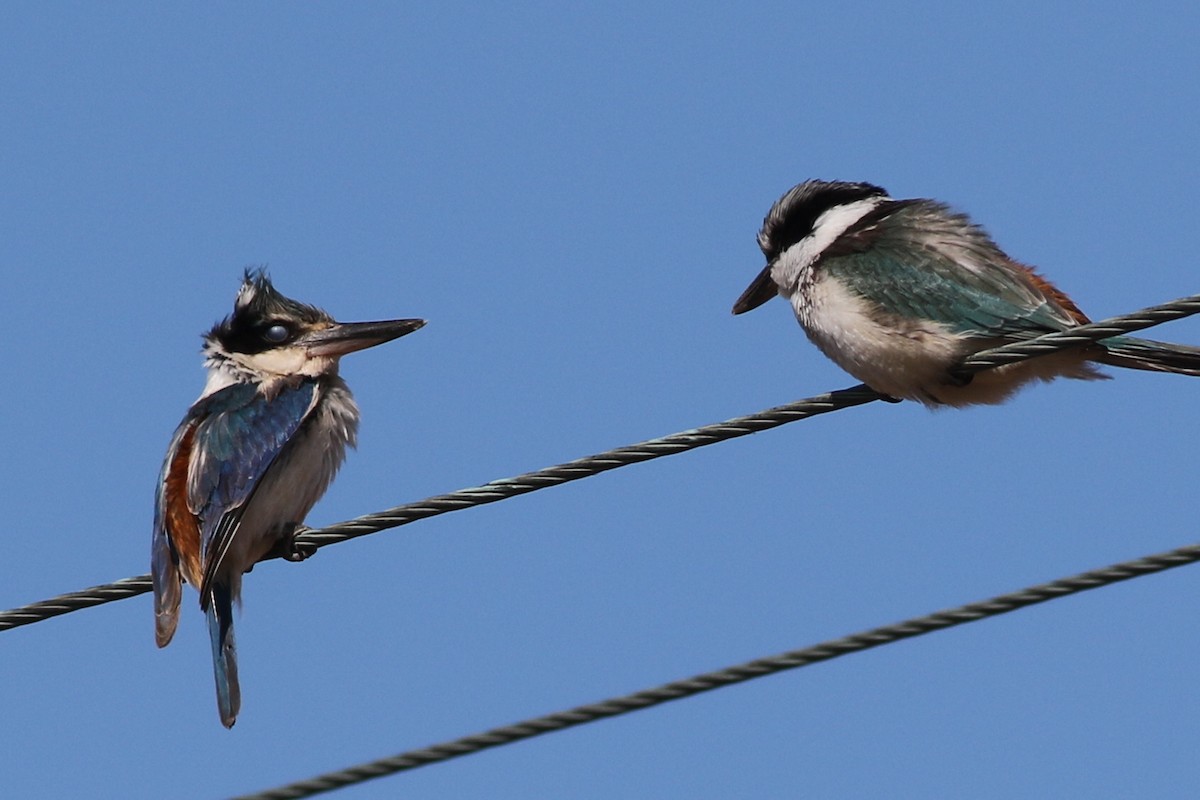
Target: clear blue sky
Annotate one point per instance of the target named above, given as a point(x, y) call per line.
point(570, 197)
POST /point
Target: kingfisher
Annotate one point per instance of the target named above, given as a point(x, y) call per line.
point(899, 292)
point(251, 457)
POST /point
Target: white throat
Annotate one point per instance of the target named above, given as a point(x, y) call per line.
point(265, 368)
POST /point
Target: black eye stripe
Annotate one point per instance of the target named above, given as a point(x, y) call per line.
point(258, 309)
point(793, 216)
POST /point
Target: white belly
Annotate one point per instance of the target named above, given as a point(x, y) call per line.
point(911, 359)
point(294, 482)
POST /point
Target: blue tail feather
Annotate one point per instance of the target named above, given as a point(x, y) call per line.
point(1134, 353)
point(224, 652)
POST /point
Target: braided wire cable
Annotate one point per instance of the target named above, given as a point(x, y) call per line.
point(592, 465)
point(632, 454)
point(1082, 335)
point(75, 601)
point(697, 684)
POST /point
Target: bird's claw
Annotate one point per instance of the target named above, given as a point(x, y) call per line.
point(288, 548)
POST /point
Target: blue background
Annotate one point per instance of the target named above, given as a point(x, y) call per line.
point(570, 197)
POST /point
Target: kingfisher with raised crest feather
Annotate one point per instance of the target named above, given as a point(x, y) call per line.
point(899, 292)
point(252, 456)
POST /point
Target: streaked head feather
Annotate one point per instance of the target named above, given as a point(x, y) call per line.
point(794, 215)
point(259, 306)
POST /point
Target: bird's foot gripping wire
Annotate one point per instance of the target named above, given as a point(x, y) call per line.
point(287, 547)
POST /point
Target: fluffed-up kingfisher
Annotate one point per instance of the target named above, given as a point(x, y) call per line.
point(899, 292)
point(252, 456)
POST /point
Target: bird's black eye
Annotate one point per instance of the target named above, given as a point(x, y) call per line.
point(277, 333)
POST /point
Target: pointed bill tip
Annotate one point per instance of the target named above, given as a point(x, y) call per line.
point(347, 337)
point(760, 290)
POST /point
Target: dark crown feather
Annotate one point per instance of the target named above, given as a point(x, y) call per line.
point(793, 216)
point(259, 304)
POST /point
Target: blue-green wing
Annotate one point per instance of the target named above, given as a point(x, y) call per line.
point(918, 259)
point(239, 435)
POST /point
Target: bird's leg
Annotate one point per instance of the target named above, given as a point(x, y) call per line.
point(959, 379)
point(887, 398)
point(287, 547)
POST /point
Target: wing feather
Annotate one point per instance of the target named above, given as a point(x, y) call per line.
point(919, 259)
point(240, 435)
point(175, 544)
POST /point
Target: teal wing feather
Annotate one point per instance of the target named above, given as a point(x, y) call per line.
point(918, 259)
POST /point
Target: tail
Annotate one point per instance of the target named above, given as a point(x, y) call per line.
point(1127, 351)
point(224, 652)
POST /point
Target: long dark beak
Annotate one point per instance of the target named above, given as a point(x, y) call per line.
point(758, 292)
point(346, 337)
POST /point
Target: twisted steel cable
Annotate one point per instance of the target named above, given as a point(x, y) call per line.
point(1082, 335)
point(632, 454)
point(794, 659)
point(75, 601)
